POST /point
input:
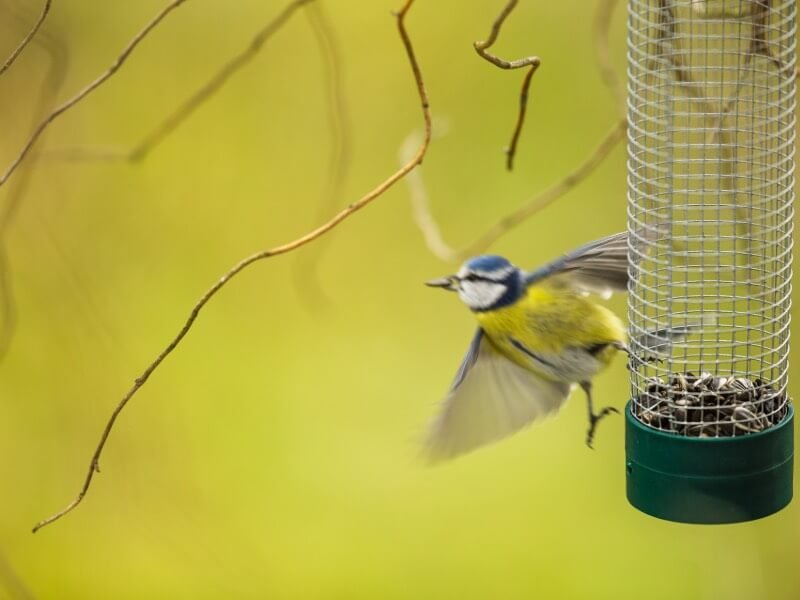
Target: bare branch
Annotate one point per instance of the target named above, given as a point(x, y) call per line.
point(550, 195)
point(183, 112)
point(758, 46)
point(57, 53)
point(759, 43)
point(668, 42)
point(420, 203)
point(427, 224)
point(18, 50)
point(258, 256)
point(175, 119)
point(304, 273)
point(88, 89)
point(602, 26)
point(481, 48)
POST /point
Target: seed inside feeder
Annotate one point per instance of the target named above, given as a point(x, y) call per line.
point(706, 405)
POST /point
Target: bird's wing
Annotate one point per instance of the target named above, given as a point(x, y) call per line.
point(600, 267)
point(490, 398)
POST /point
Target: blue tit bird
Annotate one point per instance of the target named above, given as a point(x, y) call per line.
point(539, 335)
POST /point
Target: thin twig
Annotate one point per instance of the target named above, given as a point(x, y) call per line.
point(50, 86)
point(304, 272)
point(481, 48)
point(759, 43)
point(420, 203)
point(550, 195)
point(244, 263)
point(176, 118)
point(427, 224)
point(602, 27)
point(18, 50)
point(57, 53)
point(667, 36)
point(88, 89)
point(185, 110)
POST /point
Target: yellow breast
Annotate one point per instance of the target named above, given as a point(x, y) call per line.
point(550, 320)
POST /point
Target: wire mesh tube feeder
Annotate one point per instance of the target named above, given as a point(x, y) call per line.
point(711, 144)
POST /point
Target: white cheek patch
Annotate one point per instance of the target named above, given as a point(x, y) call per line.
point(481, 294)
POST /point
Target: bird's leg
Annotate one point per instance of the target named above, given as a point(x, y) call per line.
point(594, 418)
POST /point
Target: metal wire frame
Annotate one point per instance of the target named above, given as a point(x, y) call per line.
point(711, 146)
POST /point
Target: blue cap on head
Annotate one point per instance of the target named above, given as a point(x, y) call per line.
point(489, 282)
point(487, 263)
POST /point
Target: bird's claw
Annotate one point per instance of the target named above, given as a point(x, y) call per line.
point(594, 419)
point(635, 362)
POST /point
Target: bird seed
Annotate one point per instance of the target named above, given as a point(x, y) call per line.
point(706, 405)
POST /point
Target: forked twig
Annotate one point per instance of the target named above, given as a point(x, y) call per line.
point(420, 203)
point(534, 62)
point(58, 111)
point(245, 262)
point(26, 40)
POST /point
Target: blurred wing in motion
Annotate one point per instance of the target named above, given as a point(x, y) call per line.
point(660, 341)
point(490, 398)
point(599, 267)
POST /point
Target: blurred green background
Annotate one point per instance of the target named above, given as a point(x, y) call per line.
point(274, 455)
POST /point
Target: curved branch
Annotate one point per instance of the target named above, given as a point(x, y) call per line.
point(533, 62)
point(420, 202)
point(57, 112)
point(258, 256)
point(26, 40)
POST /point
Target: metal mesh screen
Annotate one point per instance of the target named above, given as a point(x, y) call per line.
point(711, 100)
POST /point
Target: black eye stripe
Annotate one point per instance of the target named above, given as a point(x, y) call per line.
point(476, 277)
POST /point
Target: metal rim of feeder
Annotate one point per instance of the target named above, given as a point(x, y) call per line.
point(711, 150)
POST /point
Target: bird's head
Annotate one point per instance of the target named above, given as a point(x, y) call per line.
point(484, 283)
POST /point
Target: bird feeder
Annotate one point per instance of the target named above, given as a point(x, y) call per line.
point(711, 145)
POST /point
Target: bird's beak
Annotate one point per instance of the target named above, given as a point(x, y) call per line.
point(448, 283)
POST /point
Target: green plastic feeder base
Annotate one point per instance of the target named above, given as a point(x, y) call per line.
point(709, 480)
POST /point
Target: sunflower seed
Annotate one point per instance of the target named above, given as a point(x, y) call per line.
point(706, 405)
